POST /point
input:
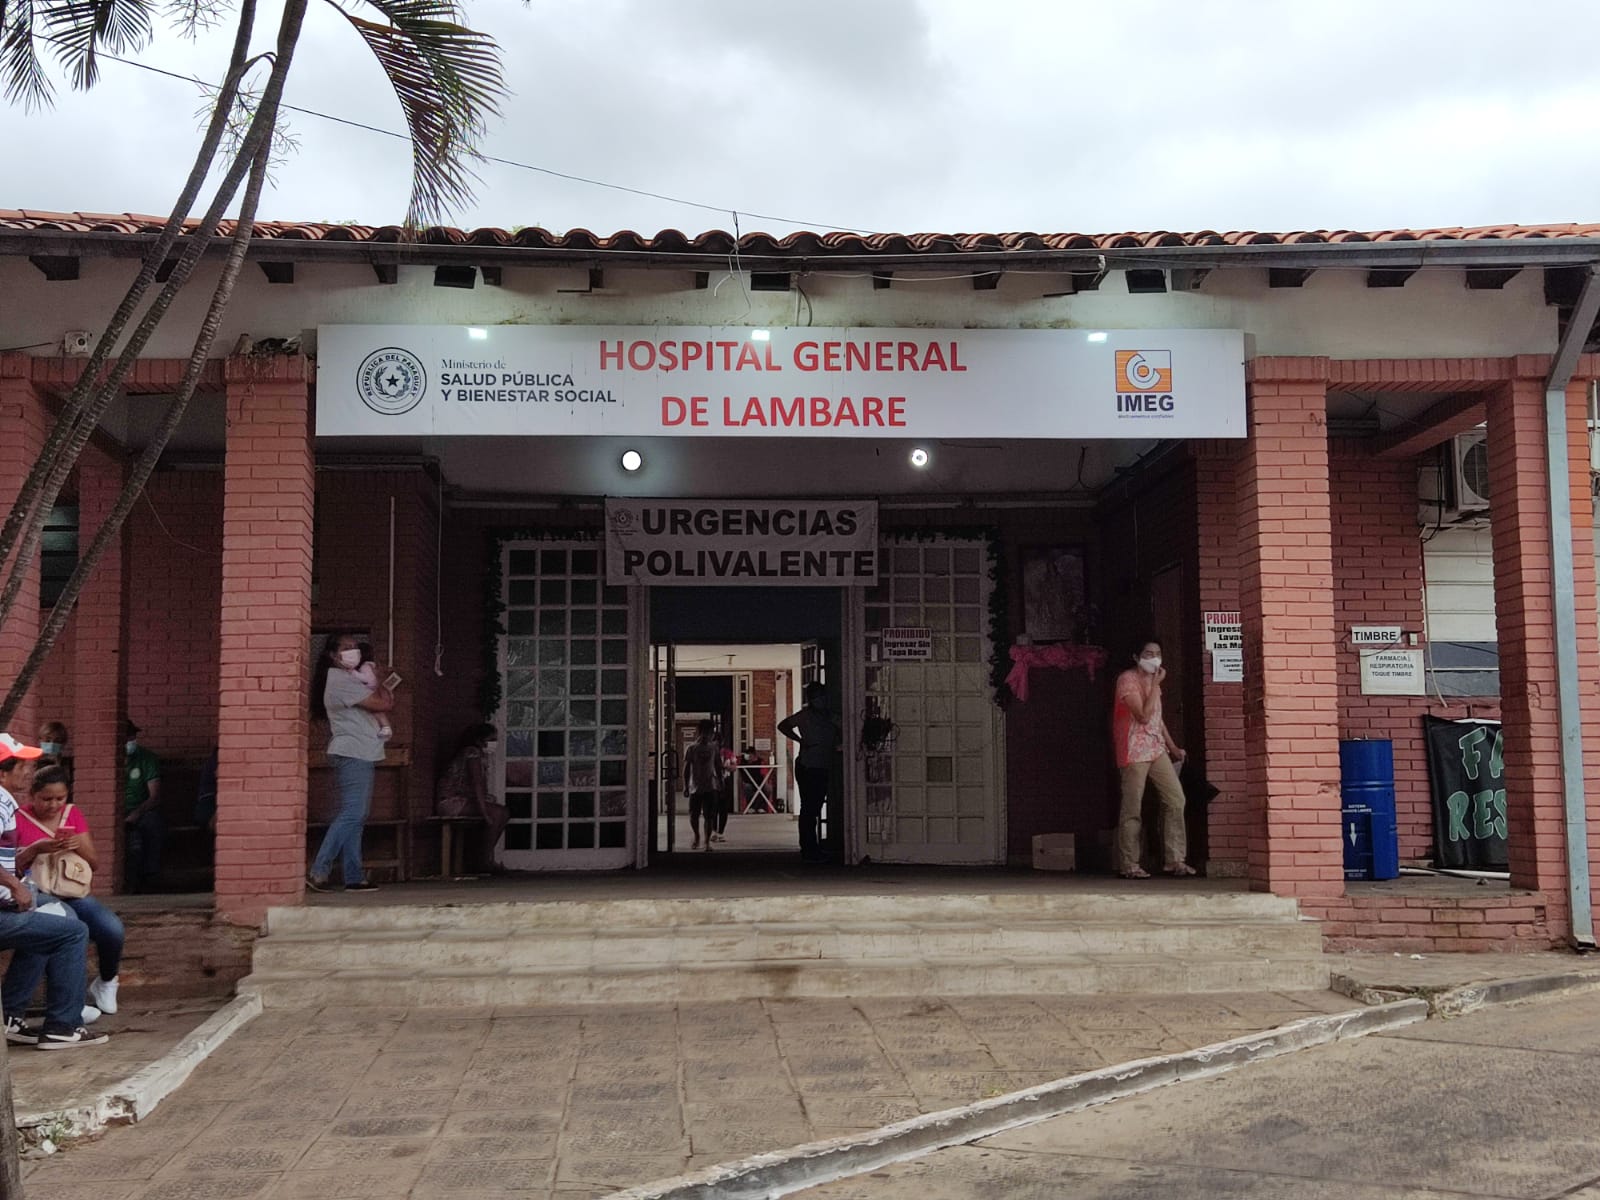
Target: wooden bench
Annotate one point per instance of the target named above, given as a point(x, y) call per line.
point(451, 849)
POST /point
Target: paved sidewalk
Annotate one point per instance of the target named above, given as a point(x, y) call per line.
point(574, 1103)
point(1420, 974)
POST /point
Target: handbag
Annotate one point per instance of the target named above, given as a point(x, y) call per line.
point(63, 873)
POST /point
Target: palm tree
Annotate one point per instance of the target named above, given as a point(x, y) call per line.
point(448, 81)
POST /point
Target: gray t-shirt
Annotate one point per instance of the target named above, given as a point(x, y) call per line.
point(355, 730)
point(818, 734)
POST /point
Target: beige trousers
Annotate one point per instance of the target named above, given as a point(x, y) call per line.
point(1174, 839)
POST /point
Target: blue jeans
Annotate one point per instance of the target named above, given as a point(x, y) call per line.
point(53, 947)
point(147, 837)
point(105, 931)
point(813, 783)
point(353, 778)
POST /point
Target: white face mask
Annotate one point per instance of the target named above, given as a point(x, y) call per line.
point(1151, 665)
point(130, 746)
point(350, 658)
point(489, 747)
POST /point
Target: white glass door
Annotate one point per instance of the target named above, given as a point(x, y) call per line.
point(567, 675)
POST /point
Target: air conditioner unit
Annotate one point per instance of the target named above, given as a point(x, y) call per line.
point(1469, 474)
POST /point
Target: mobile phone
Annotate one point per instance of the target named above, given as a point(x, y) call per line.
point(393, 681)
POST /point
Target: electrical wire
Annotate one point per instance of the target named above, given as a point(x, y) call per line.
point(145, 496)
point(491, 158)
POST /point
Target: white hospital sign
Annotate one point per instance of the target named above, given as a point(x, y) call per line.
point(783, 382)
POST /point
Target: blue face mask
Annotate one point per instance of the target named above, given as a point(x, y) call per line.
point(130, 746)
point(50, 747)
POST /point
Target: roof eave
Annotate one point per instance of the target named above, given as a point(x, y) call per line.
point(1397, 254)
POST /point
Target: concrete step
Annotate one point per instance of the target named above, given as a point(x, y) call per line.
point(464, 949)
point(833, 909)
point(788, 978)
point(654, 950)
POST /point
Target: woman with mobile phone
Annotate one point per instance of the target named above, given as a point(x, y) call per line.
point(1146, 754)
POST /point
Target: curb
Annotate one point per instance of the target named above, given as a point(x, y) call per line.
point(1445, 1002)
point(137, 1096)
point(779, 1173)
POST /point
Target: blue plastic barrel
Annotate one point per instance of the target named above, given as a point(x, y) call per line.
point(1367, 817)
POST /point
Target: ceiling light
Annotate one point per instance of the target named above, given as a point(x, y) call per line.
point(761, 335)
point(919, 457)
point(478, 335)
point(1097, 337)
point(632, 460)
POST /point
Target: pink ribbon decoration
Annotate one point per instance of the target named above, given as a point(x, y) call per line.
point(1057, 657)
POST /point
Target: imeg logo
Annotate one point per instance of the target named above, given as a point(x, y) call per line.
point(1144, 383)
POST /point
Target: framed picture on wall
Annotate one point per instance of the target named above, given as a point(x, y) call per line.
point(1054, 594)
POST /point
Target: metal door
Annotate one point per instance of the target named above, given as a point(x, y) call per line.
point(936, 795)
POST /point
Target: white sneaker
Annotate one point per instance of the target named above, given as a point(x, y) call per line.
point(90, 1014)
point(103, 995)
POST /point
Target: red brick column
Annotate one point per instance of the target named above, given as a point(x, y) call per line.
point(1228, 818)
point(1524, 617)
point(26, 422)
point(1286, 603)
point(266, 633)
point(99, 668)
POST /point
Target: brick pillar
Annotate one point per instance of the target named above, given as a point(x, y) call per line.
point(1524, 619)
point(1291, 722)
point(1228, 821)
point(26, 422)
point(98, 667)
point(265, 634)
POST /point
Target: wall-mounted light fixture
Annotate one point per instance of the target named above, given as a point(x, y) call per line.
point(632, 460)
point(919, 457)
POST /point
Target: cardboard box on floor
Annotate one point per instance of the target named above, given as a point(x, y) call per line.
point(1055, 852)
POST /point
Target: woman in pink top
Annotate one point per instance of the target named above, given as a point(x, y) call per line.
point(1146, 754)
point(49, 822)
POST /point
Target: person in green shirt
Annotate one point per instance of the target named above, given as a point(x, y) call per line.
point(141, 812)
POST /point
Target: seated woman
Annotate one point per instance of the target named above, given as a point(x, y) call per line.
point(464, 786)
point(49, 822)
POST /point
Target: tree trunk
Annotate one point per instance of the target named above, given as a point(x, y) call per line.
point(10, 1142)
point(24, 506)
point(258, 142)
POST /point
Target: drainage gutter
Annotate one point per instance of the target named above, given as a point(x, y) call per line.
point(1569, 707)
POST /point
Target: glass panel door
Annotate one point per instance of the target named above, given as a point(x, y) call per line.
point(567, 675)
point(934, 796)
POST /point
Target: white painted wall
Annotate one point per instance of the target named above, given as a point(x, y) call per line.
point(1333, 314)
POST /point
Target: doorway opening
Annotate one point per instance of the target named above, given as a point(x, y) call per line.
point(738, 660)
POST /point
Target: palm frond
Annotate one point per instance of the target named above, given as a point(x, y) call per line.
point(194, 17)
point(448, 81)
point(80, 28)
point(21, 69)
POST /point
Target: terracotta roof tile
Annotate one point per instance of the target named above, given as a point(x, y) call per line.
point(804, 243)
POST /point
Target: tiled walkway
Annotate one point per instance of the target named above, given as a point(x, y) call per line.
point(575, 1103)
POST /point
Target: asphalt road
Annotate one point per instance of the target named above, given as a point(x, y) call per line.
point(1504, 1103)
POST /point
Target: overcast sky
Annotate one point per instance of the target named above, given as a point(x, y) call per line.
point(953, 115)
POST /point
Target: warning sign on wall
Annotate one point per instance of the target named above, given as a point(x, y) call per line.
point(1224, 631)
point(1392, 672)
point(906, 643)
